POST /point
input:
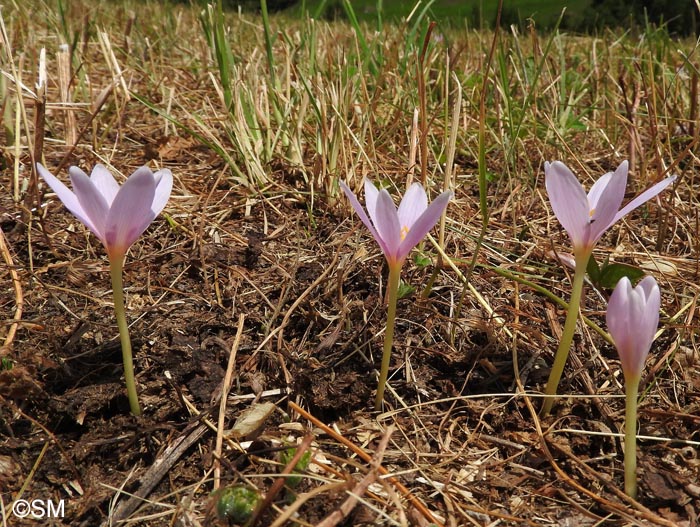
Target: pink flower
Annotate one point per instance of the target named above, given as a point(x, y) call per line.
point(632, 318)
point(116, 215)
point(587, 217)
point(398, 231)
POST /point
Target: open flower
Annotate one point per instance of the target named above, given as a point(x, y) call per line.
point(587, 217)
point(632, 318)
point(398, 231)
point(116, 215)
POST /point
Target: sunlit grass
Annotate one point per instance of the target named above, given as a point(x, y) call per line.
point(323, 95)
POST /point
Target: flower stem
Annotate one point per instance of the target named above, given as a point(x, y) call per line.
point(631, 391)
point(115, 270)
point(394, 278)
point(567, 335)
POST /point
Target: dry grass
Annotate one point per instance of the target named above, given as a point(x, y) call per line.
point(257, 240)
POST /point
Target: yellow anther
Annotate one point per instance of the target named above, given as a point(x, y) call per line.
point(404, 232)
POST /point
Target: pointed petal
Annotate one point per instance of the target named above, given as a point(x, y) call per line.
point(600, 186)
point(632, 318)
point(617, 317)
point(386, 221)
point(598, 189)
point(164, 186)
point(644, 197)
point(608, 198)
point(649, 322)
point(638, 344)
point(424, 223)
point(91, 200)
point(371, 200)
point(104, 181)
point(371, 194)
point(569, 201)
point(618, 307)
point(69, 200)
point(130, 213)
point(413, 204)
point(363, 216)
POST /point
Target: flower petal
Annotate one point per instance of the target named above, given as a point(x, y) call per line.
point(617, 316)
point(371, 194)
point(598, 189)
point(164, 186)
point(103, 179)
point(386, 221)
point(91, 200)
point(644, 197)
point(413, 204)
point(569, 202)
point(424, 223)
point(608, 197)
point(67, 197)
point(632, 318)
point(651, 291)
point(130, 213)
point(363, 215)
point(649, 321)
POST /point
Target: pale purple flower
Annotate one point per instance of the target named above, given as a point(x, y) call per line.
point(587, 217)
point(632, 318)
point(116, 215)
point(398, 231)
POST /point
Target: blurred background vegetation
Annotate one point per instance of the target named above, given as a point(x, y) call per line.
point(680, 17)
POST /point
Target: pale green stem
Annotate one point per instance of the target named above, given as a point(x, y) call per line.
point(115, 270)
point(394, 278)
point(567, 335)
point(631, 392)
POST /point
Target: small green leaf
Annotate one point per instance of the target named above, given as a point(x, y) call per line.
point(405, 289)
point(286, 456)
point(612, 273)
point(593, 270)
point(421, 260)
point(491, 176)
